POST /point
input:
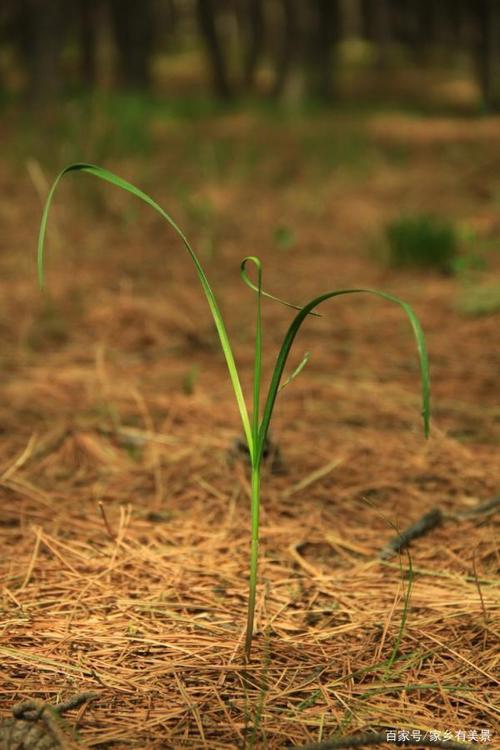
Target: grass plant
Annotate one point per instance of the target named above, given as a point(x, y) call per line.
point(421, 241)
point(255, 421)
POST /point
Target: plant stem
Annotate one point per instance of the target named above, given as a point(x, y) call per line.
point(254, 557)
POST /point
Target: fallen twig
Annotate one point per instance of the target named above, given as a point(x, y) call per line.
point(425, 524)
point(430, 521)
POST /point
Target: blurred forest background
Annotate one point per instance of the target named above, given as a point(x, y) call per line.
point(271, 49)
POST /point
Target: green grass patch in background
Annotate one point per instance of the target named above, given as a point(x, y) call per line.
point(421, 241)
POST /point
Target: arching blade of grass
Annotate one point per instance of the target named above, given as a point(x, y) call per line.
point(274, 388)
point(294, 329)
point(104, 174)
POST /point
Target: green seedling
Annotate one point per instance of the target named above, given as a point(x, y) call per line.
point(422, 241)
point(255, 423)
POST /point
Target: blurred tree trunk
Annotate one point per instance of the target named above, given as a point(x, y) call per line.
point(446, 25)
point(168, 14)
point(414, 22)
point(382, 31)
point(454, 12)
point(427, 31)
point(44, 29)
point(132, 25)
point(288, 47)
point(89, 19)
point(351, 18)
point(8, 29)
point(207, 22)
point(464, 26)
point(305, 63)
point(488, 51)
point(320, 48)
point(254, 31)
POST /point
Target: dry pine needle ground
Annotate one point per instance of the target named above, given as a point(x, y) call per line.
point(124, 529)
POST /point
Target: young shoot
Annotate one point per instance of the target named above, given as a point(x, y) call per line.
point(255, 423)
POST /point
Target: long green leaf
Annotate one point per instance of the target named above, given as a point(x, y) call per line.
point(104, 174)
point(257, 369)
point(293, 330)
point(255, 457)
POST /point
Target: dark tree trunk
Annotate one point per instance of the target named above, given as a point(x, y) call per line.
point(427, 30)
point(367, 21)
point(89, 19)
point(288, 49)
point(44, 30)
point(488, 51)
point(446, 22)
point(323, 33)
point(132, 24)
point(454, 11)
point(9, 28)
point(465, 24)
point(382, 31)
point(170, 17)
point(207, 22)
point(254, 30)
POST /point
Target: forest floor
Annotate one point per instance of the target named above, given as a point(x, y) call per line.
point(124, 519)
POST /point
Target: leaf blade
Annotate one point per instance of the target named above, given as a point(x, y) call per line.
point(297, 323)
point(110, 177)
